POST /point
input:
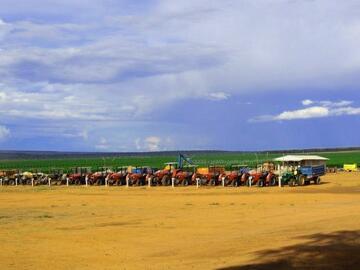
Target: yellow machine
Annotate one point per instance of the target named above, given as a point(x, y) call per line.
point(350, 167)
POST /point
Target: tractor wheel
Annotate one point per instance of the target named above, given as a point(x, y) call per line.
point(235, 183)
point(185, 182)
point(317, 181)
point(261, 183)
point(11, 182)
point(302, 180)
point(165, 181)
point(212, 182)
point(273, 181)
point(292, 182)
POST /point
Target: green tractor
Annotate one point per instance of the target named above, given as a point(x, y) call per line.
point(302, 176)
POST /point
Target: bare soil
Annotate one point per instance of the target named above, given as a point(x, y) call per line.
point(310, 227)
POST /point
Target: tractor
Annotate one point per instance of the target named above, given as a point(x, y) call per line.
point(175, 172)
point(233, 177)
point(98, 178)
point(78, 175)
point(10, 177)
point(57, 177)
point(208, 176)
point(182, 176)
point(117, 178)
point(137, 175)
point(262, 176)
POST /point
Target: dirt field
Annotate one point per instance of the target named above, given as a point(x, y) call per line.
point(312, 227)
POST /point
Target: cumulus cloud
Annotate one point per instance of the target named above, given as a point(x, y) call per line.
point(312, 112)
point(153, 143)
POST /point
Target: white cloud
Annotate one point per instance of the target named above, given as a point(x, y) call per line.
point(4, 133)
point(327, 109)
point(307, 102)
point(312, 112)
point(217, 96)
point(341, 103)
point(152, 143)
point(346, 111)
point(327, 103)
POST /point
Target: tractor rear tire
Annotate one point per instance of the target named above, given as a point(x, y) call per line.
point(235, 183)
point(317, 181)
point(273, 181)
point(11, 182)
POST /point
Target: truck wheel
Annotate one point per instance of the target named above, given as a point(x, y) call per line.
point(301, 180)
point(317, 180)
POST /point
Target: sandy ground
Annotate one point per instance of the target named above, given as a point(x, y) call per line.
point(182, 228)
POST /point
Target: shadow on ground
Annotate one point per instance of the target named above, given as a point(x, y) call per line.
point(339, 250)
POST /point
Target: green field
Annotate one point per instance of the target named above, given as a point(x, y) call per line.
point(251, 159)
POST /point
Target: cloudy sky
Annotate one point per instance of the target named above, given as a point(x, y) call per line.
point(148, 75)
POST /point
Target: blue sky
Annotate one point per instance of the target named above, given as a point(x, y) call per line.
point(167, 75)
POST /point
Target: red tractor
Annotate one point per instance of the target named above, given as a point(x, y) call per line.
point(233, 177)
point(117, 178)
point(96, 178)
point(137, 176)
point(183, 176)
point(208, 176)
point(173, 172)
point(78, 175)
point(263, 176)
point(161, 177)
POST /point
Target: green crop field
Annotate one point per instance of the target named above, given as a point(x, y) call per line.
point(204, 159)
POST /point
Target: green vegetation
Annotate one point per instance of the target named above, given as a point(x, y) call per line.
point(203, 159)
